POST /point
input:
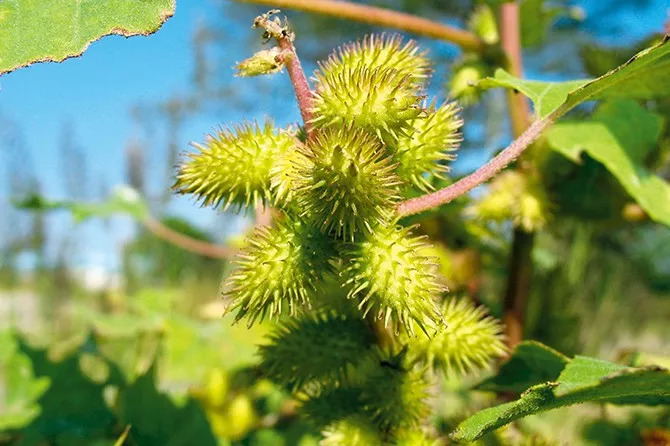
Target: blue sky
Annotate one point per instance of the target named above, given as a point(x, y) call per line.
point(94, 94)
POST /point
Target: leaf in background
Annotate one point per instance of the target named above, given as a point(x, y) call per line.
point(536, 18)
point(644, 76)
point(155, 419)
point(46, 30)
point(124, 200)
point(619, 136)
point(73, 408)
point(582, 380)
point(531, 363)
point(19, 388)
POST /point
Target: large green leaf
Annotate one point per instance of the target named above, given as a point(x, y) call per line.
point(531, 363)
point(582, 380)
point(644, 76)
point(619, 136)
point(47, 30)
point(157, 420)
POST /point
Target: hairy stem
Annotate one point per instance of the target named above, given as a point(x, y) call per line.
point(382, 17)
point(185, 242)
point(303, 93)
point(289, 57)
point(479, 176)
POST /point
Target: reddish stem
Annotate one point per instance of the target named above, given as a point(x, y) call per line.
point(520, 268)
point(479, 176)
point(382, 17)
point(303, 93)
point(511, 44)
point(289, 57)
point(185, 242)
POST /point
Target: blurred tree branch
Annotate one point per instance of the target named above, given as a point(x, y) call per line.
point(382, 17)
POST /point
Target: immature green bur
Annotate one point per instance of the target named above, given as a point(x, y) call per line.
point(335, 267)
point(279, 269)
point(321, 348)
point(51, 31)
point(391, 279)
point(345, 182)
point(469, 340)
point(233, 166)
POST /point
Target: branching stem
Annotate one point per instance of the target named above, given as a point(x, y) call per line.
point(185, 242)
point(382, 17)
point(479, 176)
point(289, 57)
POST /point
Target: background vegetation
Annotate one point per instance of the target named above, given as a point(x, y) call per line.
point(139, 340)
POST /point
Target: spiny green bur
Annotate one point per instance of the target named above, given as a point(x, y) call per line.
point(321, 347)
point(346, 182)
point(233, 167)
point(335, 243)
point(469, 340)
point(278, 270)
point(391, 279)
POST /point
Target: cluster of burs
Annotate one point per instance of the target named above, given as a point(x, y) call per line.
point(363, 324)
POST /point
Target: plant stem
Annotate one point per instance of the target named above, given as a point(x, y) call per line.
point(382, 17)
point(185, 242)
point(520, 268)
point(519, 276)
point(479, 176)
point(289, 57)
point(510, 40)
point(303, 93)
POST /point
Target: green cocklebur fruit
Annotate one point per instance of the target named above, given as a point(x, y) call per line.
point(465, 75)
point(414, 437)
point(233, 166)
point(278, 270)
point(381, 100)
point(346, 183)
point(469, 341)
point(284, 175)
point(331, 404)
point(351, 431)
point(422, 153)
point(318, 348)
point(395, 397)
point(514, 196)
point(380, 51)
point(391, 278)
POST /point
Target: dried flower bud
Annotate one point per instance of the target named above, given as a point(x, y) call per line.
point(263, 62)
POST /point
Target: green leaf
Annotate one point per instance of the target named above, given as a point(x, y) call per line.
point(73, 408)
point(20, 388)
point(155, 419)
point(122, 438)
point(46, 30)
point(124, 200)
point(644, 76)
point(582, 380)
point(546, 96)
point(619, 135)
point(536, 18)
point(531, 363)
